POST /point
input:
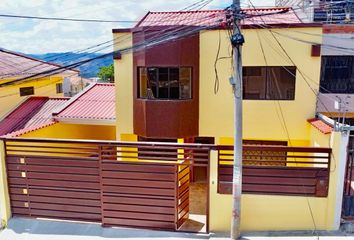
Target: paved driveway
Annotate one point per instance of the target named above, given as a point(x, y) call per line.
point(31, 229)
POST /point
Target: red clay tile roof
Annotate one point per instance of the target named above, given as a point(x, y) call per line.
point(212, 17)
point(320, 125)
point(33, 112)
point(14, 64)
point(30, 129)
point(96, 102)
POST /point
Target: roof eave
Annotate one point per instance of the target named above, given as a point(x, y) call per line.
point(86, 121)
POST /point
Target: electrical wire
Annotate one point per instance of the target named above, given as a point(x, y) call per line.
point(199, 4)
point(65, 19)
point(281, 46)
point(145, 44)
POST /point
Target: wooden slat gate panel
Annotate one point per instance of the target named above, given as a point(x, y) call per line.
point(55, 187)
point(144, 185)
point(139, 194)
point(183, 194)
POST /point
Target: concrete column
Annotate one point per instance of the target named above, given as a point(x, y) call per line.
point(5, 209)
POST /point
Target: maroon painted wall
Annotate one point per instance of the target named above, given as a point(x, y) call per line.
point(166, 118)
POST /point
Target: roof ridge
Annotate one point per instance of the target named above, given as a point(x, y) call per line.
point(219, 10)
point(73, 99)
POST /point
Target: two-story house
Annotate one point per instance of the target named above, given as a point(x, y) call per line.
point(172, 71)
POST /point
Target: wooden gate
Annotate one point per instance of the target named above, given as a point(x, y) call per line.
point(115, 183)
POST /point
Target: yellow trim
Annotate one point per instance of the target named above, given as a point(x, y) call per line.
point(5, 209)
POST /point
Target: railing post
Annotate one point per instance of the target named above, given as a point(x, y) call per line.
point(5, 208)
point(101, 184)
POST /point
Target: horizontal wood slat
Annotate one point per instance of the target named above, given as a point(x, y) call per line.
point(149, 190)
point(265, 172)
point(129, 184)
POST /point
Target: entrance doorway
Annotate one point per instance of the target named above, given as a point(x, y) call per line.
point(199, 191)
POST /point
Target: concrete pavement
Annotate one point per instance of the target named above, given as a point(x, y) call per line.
point(34, 229)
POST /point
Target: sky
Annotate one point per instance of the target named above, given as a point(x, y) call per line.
point(42, 36)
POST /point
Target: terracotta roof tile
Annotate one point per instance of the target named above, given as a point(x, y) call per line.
point(212, 17)
point(97, 102)
point(16, 64)
point(320, 125)
point(35, 111)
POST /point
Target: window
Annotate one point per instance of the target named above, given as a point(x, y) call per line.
point(337, 74)
point(269, 83)
point(165, 82)
point(25, 91)
point(59, 87)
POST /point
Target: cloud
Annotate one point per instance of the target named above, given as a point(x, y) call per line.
point(37, 36)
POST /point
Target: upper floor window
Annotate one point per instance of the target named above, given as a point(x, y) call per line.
point(337, 74)
point(269, 83)
point(165, 82)
point(25, 91)
point(59, 87)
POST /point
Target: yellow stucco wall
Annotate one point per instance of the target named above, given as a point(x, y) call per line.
point(123, 75)
point(10, 95)
point(271, 212)
point(261, 119)
point(5, 211)
point(74, 131)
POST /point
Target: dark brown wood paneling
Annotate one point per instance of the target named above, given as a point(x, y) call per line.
point(117, 183)
point(139, 198)
point(54, 187)
point(183, 181)
point(303, 173)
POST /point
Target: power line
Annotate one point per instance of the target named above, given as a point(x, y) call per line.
point(66, 19)
point(146, 44)
point(199, 4)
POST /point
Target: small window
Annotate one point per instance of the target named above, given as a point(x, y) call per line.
point(269, 83)
point(26, 91)
point(165, 82)
point(59, 87)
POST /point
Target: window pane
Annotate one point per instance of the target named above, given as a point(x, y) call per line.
point(25, 91)
point(174, 83)
point(337, 74)
point(59, 87)
point(254, 82)
point(281, 83)
point(163, 83)
point(143, 82)
point(185, 83)
point(152, 83)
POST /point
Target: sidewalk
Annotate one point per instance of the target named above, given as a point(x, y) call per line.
point(32, 229)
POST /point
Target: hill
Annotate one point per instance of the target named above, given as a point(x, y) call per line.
point(87, 70)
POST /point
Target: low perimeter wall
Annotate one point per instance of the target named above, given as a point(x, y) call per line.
point(277, 212)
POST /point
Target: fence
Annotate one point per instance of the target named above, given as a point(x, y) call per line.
point(140, 184)
point(116, 183)
point(277, 170)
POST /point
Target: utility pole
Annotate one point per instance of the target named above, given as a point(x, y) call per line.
point(237, 40)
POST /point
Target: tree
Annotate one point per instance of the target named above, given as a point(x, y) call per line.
point(106, 73)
